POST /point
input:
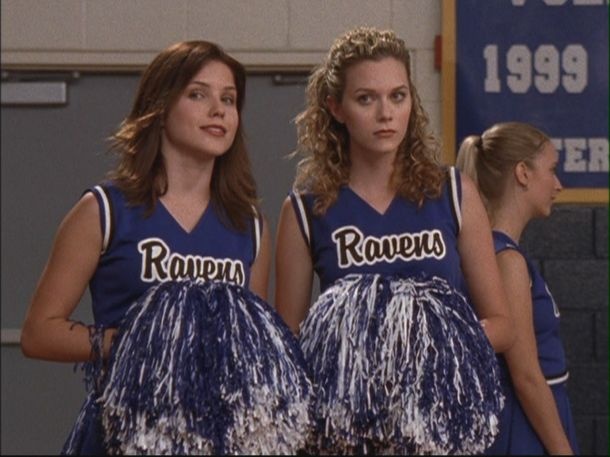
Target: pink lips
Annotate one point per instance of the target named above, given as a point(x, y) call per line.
point(215, 130)
point(384, 133)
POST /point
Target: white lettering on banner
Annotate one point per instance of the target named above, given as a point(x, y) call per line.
point(583, 154)
point(519, 64)
point(546, 68)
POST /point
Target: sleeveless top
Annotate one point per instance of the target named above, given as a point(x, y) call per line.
point(551, 355)
point(353, 237)
point(140, 251)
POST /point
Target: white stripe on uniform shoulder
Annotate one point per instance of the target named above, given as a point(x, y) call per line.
point(455, 196)
point(106, 217)
point(303, 216)
point(257, 232)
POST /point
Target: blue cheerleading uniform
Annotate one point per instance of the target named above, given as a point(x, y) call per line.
point(516, 433)
point(352, 237)
point(142, 251)
point(392, 299)
point(183, 311)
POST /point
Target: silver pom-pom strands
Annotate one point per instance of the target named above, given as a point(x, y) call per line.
point(205, 368)
point(400, 365)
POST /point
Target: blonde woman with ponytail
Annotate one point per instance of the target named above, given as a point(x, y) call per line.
point(514, 165)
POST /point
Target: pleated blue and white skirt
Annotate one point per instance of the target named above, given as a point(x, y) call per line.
point(400, 366)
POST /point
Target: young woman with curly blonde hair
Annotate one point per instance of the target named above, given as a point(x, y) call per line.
point(400, 361)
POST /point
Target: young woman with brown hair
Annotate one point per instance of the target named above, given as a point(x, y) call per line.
point(185, 356)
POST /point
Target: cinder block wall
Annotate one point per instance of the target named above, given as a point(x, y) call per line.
point(571, 248)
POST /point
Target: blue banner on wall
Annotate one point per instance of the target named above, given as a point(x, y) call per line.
point(544, 62)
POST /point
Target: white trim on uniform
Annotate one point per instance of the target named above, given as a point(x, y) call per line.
point(559, 379)
point(455, 196)
point(303, 216)
point(107, 217)
point(257, 232)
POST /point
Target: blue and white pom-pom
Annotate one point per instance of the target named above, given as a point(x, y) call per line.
point(401, 366)
point(205, 368)
point(94, 380)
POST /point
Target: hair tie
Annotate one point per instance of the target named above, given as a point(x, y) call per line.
point(479, 143)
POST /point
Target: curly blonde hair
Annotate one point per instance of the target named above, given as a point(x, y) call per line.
point(324, 142)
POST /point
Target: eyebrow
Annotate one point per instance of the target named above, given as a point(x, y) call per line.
point(367, 89)
point(204, 84)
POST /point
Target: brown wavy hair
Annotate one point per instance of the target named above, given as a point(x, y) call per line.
point(324, 142)
point(141, 172)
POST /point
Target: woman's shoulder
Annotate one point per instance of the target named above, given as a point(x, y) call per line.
point(306, 196)
point(112, 192)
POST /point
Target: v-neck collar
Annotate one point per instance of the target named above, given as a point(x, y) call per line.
point(368, 205)
point(177, 222)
